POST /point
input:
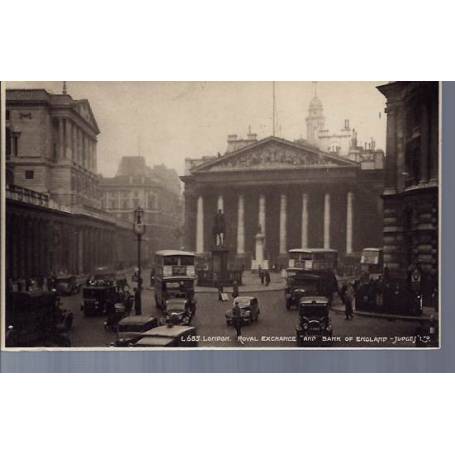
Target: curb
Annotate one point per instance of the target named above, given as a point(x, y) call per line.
point(367, 314)
point(241, 291)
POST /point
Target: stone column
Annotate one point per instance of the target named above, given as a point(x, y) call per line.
point(241, 225)
point(200, 225)
point(424, 143)
point(391, 152)
point(68, 137)
point(261, 215)
point(95, 165)
point(74, 143)
point(92, 155)
point(80, 148)
point(85, 151)
point(220, 203)
point(327, 220)
point(349, 219)
point(304, 220)
point(283, 224)
point(61, 144)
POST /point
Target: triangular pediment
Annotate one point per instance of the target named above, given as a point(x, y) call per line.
point(273, 153)
point(85, 111)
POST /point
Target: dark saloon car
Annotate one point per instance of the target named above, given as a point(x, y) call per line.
point(249, 310)
point(179, 310)
point(66, 285)
point(96, 300)
point(301, 284)
point(132, 328)
point(314, 321)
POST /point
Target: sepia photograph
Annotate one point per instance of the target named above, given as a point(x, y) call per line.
point(221, 215)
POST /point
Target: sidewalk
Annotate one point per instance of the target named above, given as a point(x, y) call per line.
point(425, 316)
point(251, 284)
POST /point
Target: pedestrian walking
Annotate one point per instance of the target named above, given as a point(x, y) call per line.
point(346, 295)
point(235, 290)
point(267, 277)
point(137, 302)
point(220, 293)
point(261, 274)
point(237, 319)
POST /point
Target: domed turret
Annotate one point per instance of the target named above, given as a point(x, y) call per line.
point(315, 120)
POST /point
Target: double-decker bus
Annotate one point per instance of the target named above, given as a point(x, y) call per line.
point(175, 275)
point(313, 259)
point(372, 262)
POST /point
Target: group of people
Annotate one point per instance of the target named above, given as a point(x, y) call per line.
point(32, 284)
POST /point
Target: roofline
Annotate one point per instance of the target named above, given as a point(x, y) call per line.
point(48, 101)
point(306, 148)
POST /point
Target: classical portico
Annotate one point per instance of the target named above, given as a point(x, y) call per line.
point(295, 194)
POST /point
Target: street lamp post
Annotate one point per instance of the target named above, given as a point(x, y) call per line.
point(139, 229)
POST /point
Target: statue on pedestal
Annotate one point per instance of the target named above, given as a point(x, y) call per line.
point(219, 228)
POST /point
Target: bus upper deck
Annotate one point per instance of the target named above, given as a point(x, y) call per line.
point(315, 259)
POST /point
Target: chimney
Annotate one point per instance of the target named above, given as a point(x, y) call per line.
point(252, 137)
point(346, 124)
point(373, 144)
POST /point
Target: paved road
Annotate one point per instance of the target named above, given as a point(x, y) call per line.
point(275, 327)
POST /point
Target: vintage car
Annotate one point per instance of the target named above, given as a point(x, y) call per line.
point(97, 299)
point(131, 329)
point(169, 336)
point(314, 321)
point(66, 285)
point(36, 319)
point(249, 310)
point(179, 310)
point(300, 284)
point(105, 274)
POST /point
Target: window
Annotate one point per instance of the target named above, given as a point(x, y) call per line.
point(152, 202)
point(7, 115)
point(29, 175)
point(8, 142)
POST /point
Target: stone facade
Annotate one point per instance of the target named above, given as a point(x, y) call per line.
point(343, 142)
point(156, 190)
point(51, 146)
point(54, 221)
point(411, 178)
point(42, 238)
point(300, 196)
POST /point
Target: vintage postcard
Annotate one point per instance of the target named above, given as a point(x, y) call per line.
point(221, 215)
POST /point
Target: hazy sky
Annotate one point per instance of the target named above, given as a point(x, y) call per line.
point(168, 121)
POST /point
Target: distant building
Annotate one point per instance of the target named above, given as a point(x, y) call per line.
point(411, 178)
point(51, 146)
point(156, 190)
point(342, 142)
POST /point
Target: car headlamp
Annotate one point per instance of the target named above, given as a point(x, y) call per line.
point(305, 326)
